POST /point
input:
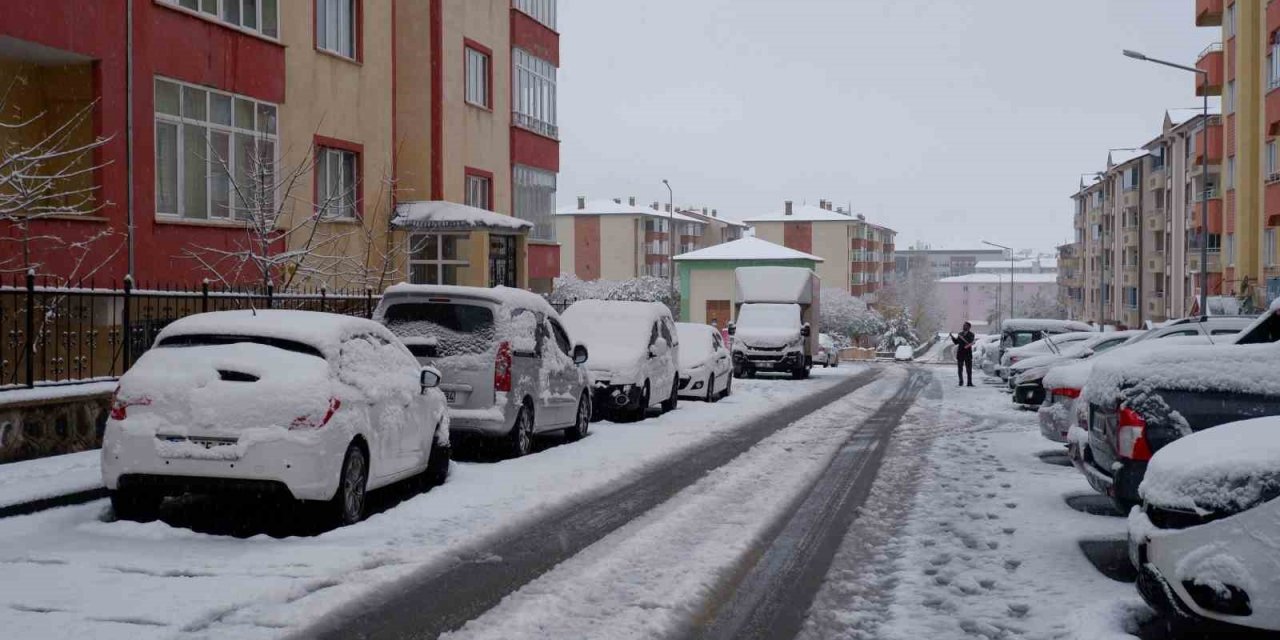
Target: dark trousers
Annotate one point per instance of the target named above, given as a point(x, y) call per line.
point(964, 362)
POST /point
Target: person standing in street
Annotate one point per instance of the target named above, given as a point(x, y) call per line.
point(964, 353)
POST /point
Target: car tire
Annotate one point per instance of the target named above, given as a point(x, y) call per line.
point(582, 420)
point(672, 400)
point(711, 389)
point(728, 388)
point(135, 505)
point(348, 503)
point(520, 440)
point(642, 408)
point(437, 471)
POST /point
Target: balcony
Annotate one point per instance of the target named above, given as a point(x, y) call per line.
point(1210, 61)
point(1208, 13)
point(1193, 262)
point(1215, 216)
point(1271, 202)
point(1215, 148)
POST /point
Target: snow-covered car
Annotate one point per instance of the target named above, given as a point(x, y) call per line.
point(310, 406)
point(511, 370)
point(706, 367)
point(1146, 399)
point(634, 350)
point(904, 353)
point(828, 352)
point(986, 353)
point(1026, 375)
point(1046, 345)
point(1204, 542)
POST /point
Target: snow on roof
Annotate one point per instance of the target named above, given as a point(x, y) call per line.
point(1044, 263)
point(709, 218)
point(441, 214)
point(1116, 158)
point(324, 331)
point(804, 213)
point(612, 208)
point(993, 278)
point(1183, 115)
point(1223, 468)
point(505, 296)
point(750, 248)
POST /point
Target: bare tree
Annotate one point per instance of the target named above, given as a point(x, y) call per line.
point(47, 171)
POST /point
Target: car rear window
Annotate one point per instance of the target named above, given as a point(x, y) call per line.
point(207, 340)
point(442, 329)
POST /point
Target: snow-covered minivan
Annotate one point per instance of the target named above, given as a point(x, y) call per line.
point(511, 370)
point(312, 406)
point(634, 354)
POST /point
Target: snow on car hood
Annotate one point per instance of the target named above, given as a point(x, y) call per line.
point(1163, 364)
point(1225, 469)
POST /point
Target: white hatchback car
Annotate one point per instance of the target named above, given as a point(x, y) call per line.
point(312, 406)
point(634, 349)
point(706, 367)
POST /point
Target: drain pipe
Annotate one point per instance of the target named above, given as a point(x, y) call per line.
point(128, 130)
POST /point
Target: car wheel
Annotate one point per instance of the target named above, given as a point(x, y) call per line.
point(639, 413)
point(672, 400)
point(138, 506)
point(520, 440)
point(582, 422)
point(437, 464)
point(347, 505)
point(711, 389)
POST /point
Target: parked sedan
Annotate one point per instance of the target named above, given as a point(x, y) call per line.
point(1049, 344)
point(1204, 542)
point(828, 352)
point(635, 348)
point(706, 367)
point(1026, 375)
point(309, 406)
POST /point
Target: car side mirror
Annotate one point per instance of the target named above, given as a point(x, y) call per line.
point(429, 378)
point(658, 349)
point(579, 354)
point(804, 331)
point(733, 328)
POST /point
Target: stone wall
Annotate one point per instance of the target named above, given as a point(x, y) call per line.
point(39, 428)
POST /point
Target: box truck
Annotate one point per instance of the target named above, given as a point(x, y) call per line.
point(775, 313)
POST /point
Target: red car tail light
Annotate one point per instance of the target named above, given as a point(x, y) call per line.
point(120, 406)
point(1067, 392)
point(1131, 441)
point(502, 368)
point(309, 422)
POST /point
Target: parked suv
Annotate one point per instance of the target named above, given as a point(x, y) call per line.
point(635, 349)
point(510, 369)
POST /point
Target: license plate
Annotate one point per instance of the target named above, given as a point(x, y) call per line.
point(450, 396)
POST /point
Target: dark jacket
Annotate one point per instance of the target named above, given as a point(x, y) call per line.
point(964, 342)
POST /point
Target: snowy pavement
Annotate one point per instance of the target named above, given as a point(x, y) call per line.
point(71, 572)
point(43, 478)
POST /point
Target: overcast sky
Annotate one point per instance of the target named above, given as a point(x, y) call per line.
point(948, 120)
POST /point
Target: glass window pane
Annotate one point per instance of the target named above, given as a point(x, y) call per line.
point(195, 179)
point(449, 247)
point(426, 247)
point(231, 11)
point(220, 183)
point(270, 19)
point(267, 119)
point(167, 100)
point(190, 4)
point(194, 103)
point(209, 6)
point(266, 169)
point(349, 178)
point(243, 153)
point(220, 109)
point(244, 114)
point(249, 18)
point(322, 176)
point(450, 274)
point(346, 28)
point(166, 168)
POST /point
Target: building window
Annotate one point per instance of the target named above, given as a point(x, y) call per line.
point(1229, 97)
point(215, 153)
point(1273, 171)
point(337, 182)
point(535, 200)
point(336, 22)
point(502, 261)
point(479, 75)
point(1231, 172)
point(438, 258)
point(1230, 22)
point(1157, 158)
point(1230, 249)
point(1131, 179)
point(534, 88)
point(544, 11)
point(1273, 62)
point(1269, 247)
point(479, 189)
point(259, 16)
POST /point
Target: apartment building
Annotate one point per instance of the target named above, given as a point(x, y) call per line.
point(392, 134)
point(616, 240)
point(1071, 280)
point(942, 263)
point(855, 253)
point(719, 230)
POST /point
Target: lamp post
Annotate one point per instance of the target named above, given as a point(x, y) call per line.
point(671, 235)
point(1204, 173)
point(1010, 250)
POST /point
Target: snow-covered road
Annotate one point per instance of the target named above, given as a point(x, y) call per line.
point(69, 572)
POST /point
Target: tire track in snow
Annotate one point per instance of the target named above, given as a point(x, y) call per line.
point(426, 606)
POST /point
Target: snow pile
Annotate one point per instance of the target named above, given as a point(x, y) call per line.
point(616, 334)
point(1224, 469)
point(1242, 369)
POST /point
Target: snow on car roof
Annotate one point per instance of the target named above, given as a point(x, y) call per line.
point(505, 296)
point(1163, 364)
point(1076, 374)
point(1034, 324)
point(647, 311)
point(323, 331)
point(750, 248)
point(1215, 468)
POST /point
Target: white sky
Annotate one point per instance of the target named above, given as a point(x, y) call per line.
point(948, 120)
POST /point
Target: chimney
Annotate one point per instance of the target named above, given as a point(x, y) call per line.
point(704, 211)
point(582, 202)
point(617, 200)
point(822, 204)
point(668, 207)
point(787, 205)
point(714, 213)
point(632, 201)
point(840, 210)
point(656, 206)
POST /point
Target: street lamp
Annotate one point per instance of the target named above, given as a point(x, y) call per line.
point(1204, 177)
point(671, 236)
point(1010, 250)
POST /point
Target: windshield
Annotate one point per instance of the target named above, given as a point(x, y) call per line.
point(1020, 338)
point(769, 316)
point(695, 345)
point(442, 329)
point(207, 340)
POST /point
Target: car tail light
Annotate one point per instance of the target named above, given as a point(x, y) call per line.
point(120, 406)
point(310, 422)
point(1131, 441)
point(1067, 392)
point(1014, 359)
point(502, 368)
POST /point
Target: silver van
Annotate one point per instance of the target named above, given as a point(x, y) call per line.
point(510, 370)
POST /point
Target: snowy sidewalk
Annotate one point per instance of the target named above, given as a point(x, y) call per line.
point(31, 482)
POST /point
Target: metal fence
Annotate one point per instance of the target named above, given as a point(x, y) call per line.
point(52, 335)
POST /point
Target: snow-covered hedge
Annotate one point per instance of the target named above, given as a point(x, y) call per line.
point(846, 317)
point(568, 289)
point(901, 332)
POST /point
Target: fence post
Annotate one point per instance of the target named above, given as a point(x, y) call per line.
point(324, 289)
point(271, 288)
point(368, 302)
point(126, 317)
point(31, 328)
point(204, 296)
